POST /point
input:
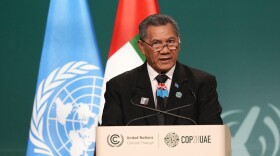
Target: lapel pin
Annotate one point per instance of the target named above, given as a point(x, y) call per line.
point(144, 101)
point(178, 94)
point(176, 85)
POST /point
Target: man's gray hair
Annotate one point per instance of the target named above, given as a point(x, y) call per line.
point(156, 20)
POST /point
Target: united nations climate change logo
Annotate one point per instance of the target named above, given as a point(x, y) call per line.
point(171, 139)
point(115, 140)
point(65, 111)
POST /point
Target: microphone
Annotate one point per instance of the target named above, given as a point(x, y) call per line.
point(142, 117)
point(164, 112)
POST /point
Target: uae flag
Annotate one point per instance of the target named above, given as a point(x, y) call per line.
point(124, 54)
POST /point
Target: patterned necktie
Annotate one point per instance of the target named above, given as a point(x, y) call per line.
point(162, 95)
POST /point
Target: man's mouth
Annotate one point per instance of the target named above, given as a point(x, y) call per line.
point(164, 59)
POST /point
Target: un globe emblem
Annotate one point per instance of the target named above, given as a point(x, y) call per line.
point(72, 116)
point(65, 110)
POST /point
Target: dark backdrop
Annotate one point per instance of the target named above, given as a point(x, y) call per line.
point(238, 41)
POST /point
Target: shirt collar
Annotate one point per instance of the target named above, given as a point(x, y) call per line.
point(153, 73)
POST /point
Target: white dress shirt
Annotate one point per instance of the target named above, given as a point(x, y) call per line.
point(154, 83)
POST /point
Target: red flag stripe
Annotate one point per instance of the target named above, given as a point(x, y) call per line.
point(130, 13)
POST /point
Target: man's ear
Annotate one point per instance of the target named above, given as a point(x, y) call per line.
point(141, 46)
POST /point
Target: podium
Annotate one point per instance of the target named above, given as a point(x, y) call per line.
point(198, 140)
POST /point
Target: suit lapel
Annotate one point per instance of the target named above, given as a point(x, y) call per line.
point(178, 92)
point(144, 90)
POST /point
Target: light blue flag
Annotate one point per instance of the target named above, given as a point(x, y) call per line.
point(69, 84)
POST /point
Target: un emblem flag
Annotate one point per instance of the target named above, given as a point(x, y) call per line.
point(67, 101)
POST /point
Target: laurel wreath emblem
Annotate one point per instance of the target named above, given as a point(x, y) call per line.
point(44, 91)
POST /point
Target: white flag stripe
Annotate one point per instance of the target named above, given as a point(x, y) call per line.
point(126, 58)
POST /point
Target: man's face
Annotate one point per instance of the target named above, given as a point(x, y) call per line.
point(163, 60)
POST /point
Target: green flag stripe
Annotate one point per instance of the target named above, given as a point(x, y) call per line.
point(133, 42)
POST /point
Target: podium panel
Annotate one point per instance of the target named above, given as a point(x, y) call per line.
point(199, 140)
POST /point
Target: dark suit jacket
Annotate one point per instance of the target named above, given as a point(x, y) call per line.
point(189, 86)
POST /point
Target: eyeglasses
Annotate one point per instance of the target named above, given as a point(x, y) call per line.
point(158, 46)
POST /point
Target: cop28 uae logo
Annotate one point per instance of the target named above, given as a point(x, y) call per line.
point(258, 131)
point(171, 139)
point(65, 110)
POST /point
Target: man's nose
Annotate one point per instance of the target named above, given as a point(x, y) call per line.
point(165, 49)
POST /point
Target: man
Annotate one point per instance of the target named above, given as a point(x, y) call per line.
point(187, 96)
